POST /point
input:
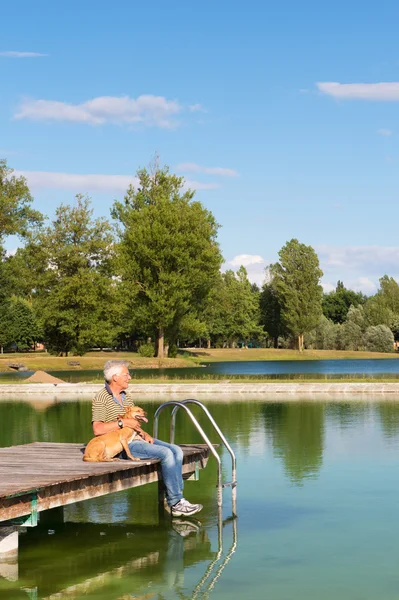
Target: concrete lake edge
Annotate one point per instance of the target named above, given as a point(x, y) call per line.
point(216, 391)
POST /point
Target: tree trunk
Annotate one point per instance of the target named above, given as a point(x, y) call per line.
point(275, 342)
point(208, 344)
point(161, 340)
point(300, 342)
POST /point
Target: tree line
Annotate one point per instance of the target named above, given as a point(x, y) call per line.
point(149, 278)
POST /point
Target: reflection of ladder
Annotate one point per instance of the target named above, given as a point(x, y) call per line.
point(220, 484)
point(210, 577)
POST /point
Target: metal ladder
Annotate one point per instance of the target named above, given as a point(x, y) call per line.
point(220, 485)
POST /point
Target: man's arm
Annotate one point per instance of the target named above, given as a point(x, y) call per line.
point(100, 427)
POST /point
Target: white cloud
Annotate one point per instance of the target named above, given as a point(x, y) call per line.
point(361, 91)
point(359, 284)
point(145, 110)
point(327, 286)
point(384, 132)
point(194, 168)
point(92, 182)
point(365, 285)
point(246, 260)
point(198, 185)
point(15, 54)
point(371, 259)
point(254, 264)
point(77, 182)
point(197, 108)
point(359, 267)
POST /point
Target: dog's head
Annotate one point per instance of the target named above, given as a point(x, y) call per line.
point(136, 412)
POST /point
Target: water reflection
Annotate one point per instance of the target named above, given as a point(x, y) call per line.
point(297, 434)
point(72, 560)
point(317, 506)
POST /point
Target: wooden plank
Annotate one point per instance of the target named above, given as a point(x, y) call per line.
point(57, 474)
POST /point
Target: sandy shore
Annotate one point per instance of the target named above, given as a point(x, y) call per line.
point(218, 391)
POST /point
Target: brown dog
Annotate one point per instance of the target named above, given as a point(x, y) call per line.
point(104, 447)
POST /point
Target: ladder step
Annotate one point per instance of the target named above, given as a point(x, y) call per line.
point(229, 484)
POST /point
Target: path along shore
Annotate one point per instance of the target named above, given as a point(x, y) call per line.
point(217, 391)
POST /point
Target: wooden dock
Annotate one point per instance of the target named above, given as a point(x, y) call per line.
point(39, 476)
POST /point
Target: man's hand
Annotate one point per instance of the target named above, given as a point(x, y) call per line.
point(132, 423)
point(146, 437)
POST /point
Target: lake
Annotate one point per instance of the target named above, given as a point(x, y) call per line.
point(317, 499)
point(273, 369)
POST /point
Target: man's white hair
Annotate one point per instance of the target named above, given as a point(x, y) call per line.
point(113, 367)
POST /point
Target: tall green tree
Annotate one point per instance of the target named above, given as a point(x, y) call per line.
point(16, 218)
point(296, 279)
point(23, 327)
point(169, 255)
point(74, 292)
point(270, 313)
point(383, 307)
point(242, 302)
point(232, 311)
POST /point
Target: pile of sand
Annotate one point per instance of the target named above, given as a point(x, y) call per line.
point(43, 377)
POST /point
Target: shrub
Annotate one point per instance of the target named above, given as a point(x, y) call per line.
point(379, 338)
point(146, 350)
point(172, 351)
point(351, 335)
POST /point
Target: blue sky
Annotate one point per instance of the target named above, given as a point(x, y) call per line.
point(283, 117)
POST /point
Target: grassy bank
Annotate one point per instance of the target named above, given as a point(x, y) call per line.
point(92, 360)
point(216, 379)
point(188, 358)
point(242, 354)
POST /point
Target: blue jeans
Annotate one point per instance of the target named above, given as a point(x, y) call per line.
point(171, 457)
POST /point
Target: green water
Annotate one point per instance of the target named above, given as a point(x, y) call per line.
point(318, 499)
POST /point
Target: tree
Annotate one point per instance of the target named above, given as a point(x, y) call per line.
point(377, 312)
point(23, 328)
point(232, 310)
point(352, 329)
point(243, 306)
point(351, 335)
point(16, 214)
point(168, 250)
point(270, 313)
point(389, 291)
point(379, 339)
point(74, 292)
point(336, 304)
point(383, 307)
point(296, 280)
point(324, 336)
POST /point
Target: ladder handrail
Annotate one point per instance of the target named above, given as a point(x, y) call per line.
point(215, 425)
point(200, 430)
point(225, 442)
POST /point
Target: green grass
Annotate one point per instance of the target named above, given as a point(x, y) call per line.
point(241, 354)
point(35, 361)
point(270, 378)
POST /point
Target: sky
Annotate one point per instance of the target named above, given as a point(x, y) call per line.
point(282, 116)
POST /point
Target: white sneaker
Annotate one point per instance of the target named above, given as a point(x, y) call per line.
point(184, 528)
point(185, 509)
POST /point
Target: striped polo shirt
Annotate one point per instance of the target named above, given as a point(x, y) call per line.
point(106, 408)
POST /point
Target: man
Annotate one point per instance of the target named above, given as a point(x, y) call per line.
point(111, 402)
